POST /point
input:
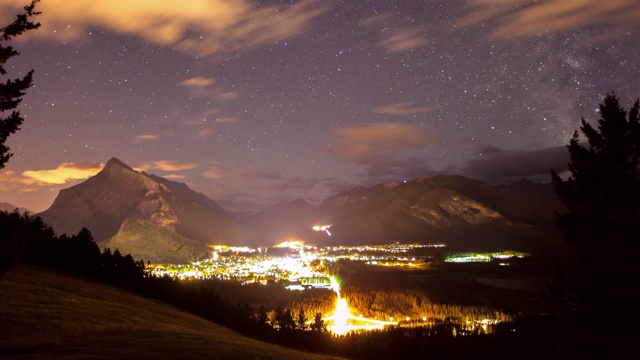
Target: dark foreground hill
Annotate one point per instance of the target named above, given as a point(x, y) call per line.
point(53, 316)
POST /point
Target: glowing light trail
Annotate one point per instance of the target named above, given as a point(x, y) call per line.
point(342, 321)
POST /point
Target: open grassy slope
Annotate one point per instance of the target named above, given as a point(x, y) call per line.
point(54, 316)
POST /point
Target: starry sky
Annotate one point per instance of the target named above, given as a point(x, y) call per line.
point(251, 102)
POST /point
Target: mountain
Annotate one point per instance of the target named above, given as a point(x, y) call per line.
point(150, 217)
point(5, 206)
point(466, 214)
point(284, 221)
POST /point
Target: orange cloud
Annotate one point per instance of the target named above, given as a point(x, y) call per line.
point(63, 174)
point(198, 82)
point(378, 140)
point(145, 137)
point(174, 176)
point(228, 95)
point(9, 178)
point(203, 133)
point(200, 27)
point(213, 173)
point(202, 87)
point(402, 108)
point(523, 18)
point(170, 165)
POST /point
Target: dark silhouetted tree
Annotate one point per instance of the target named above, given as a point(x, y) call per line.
point(598, 288)
point(262, 316)
point(318, 324)
point(301, 320)
point(12, 90)
point(12, 241)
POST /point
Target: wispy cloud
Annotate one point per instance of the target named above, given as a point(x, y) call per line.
point(197, 27)
point(397, 35)
point(205, 87)
point(172, 165)
point(174, 177)
point(198, 81)
point(402, 108)
point(9, 179)
point(365, 143)
point(378, 148)
point(523, 18)
point(146, 137)
point(213, 173)
point(64, 173)
point(205, 133)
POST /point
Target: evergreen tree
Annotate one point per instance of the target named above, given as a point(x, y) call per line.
point(12, 91)
point(318, 324)
point(301, 320)
point(598, 288)
point(262, 315)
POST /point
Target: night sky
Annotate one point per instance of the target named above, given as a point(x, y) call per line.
point(251, 102)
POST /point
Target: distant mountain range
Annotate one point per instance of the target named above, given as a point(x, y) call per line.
point(165, 221)
point(467, 214)
point(5, 206)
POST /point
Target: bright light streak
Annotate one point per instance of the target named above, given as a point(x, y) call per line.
point(340, 317)
point(324, 228)
point(335, 286)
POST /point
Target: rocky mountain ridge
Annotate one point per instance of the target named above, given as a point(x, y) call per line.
point(455, 209)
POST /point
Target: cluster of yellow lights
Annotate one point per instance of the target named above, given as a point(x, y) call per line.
point(291, 244)
point(324, 228)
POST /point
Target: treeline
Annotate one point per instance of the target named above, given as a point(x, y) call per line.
point(400, 304)
point(313, 302)
point(28, 239)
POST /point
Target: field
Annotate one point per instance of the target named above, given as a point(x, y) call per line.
point(50, 315)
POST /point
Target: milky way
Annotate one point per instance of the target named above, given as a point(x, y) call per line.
point(253, 102)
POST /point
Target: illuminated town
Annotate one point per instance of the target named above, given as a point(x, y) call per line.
point(299, 266)
point(291, 261)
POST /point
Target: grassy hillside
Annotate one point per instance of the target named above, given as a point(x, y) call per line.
point(49, 315)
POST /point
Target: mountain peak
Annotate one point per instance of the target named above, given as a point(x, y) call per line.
point(115, 162)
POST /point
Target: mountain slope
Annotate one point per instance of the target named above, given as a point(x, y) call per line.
point(465, 213)
point(127, 206)
point(56, 316)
